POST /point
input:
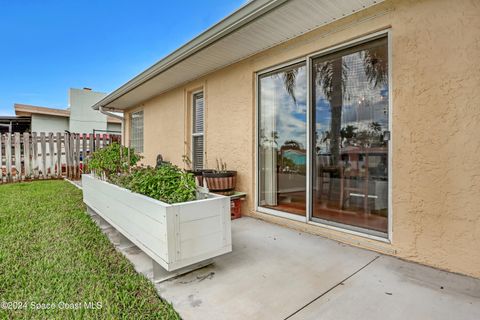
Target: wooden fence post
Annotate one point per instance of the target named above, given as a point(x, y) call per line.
point(43, 148)
point(66, 139)
point(18, 154)
point(8, 155)
point(90, 143)
point(84, 152)
point(77, 156)
point(74, 156)
point(51, 149)
point(1, 158)
point(26, 154)
point(71, 149)
point(97, 142)
point(59, 154)
point(36, 166)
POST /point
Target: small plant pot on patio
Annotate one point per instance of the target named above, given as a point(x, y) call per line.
point(223, 182)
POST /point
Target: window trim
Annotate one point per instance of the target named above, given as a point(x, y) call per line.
point(131, 130)
point(197, 134)
point(307, 59)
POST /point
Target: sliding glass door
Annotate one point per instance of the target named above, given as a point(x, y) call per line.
point(350, 144)
point(347, 122)
point(282, 140)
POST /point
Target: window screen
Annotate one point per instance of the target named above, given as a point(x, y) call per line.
point(136, 131)
point(197, 131)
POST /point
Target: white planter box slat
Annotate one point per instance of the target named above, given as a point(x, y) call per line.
point(173, 235)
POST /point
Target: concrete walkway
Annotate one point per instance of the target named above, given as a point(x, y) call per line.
point(278, 273)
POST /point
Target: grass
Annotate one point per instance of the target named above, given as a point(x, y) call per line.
point(51, 252)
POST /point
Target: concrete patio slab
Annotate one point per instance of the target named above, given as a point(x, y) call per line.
point(390, 288)
point(279, 273)
point(271, 273)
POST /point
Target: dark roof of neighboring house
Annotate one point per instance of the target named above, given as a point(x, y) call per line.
point(28, 110)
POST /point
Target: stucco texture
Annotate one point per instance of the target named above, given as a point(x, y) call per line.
point(436, 112)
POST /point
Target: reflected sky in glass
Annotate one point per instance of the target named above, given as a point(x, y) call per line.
point(363, 103)
point(281, 111)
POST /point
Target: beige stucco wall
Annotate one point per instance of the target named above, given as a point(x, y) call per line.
point(436, 113)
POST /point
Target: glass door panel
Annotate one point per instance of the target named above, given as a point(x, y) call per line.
point(350, 140)
point(282, 140)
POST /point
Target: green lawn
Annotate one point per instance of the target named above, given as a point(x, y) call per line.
point(51, 252)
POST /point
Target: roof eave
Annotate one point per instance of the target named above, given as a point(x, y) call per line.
point(234, 21)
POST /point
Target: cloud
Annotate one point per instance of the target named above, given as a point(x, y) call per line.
point(279, 112)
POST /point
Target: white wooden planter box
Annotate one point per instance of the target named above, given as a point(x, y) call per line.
point(173, 235)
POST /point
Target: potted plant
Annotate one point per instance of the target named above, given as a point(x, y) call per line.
point(221, 180)
point(197, 173)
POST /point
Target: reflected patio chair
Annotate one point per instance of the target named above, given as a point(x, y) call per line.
point(325, 172)
point(354, 179)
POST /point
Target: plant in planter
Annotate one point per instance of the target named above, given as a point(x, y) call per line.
point(112, 160)
point(221, 180)
point(161, 212)
point(159, 209)
point(167, 183)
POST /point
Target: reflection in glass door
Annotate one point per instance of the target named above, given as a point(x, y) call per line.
point(350, 140)
point(282, 140)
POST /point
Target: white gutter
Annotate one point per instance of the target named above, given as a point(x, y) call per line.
point(250, 11)
point(108, 112)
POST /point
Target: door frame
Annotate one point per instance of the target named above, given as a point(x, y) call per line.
point(257, 76)
point(308, 218)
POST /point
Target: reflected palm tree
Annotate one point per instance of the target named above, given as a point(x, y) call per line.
point(289, 80)
point(348, 132)
point(268, 138)
point(331, 77)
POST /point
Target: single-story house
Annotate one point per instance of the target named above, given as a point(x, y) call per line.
point(355, 119)
point(78, 117)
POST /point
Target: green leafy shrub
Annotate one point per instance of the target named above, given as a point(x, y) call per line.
point(167, 183)
point(121, 179)
point(112, 159)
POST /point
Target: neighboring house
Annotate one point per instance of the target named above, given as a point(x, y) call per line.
point(377, 99)
point(78, 118)
point(14, 124)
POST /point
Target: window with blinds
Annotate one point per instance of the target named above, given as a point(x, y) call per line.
point(136, 131)
point(197, 131)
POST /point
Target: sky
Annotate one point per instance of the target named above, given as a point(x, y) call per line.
point(49, 46)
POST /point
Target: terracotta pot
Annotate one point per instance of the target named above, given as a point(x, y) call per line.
point(221, 182)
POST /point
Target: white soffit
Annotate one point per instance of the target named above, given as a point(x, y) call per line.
point(257, 26)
